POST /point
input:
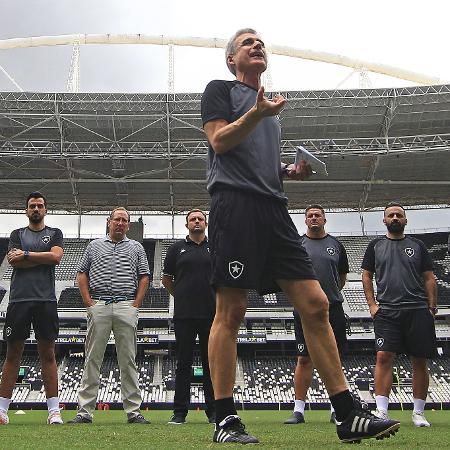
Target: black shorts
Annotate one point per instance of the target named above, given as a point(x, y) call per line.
point(338, 323)
point(21, 315)
point(254, 242)
point(409, 331)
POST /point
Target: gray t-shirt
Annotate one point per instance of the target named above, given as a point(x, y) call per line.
point(254, 165)
point(329, 260)
point(398, 265)
point(34, 283)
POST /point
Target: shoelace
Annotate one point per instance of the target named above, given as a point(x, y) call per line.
point(238, 426)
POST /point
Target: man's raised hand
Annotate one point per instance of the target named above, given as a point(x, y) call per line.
point(266, 107)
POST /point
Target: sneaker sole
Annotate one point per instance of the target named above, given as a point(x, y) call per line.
point(380, 436)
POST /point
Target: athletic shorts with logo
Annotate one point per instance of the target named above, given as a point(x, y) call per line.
point(254, 242)
point(409, 331)
point(21, 315)
point(338, 323)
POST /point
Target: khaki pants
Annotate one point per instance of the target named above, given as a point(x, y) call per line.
point(122, 319)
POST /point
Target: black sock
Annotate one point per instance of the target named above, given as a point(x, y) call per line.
point(224, 407)
point(342, 404)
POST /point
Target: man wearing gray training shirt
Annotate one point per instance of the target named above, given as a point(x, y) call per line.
point(34, 251)
point(330, 263)
point(254, 243)
point(404, 309)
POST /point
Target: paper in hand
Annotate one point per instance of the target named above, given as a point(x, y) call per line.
point(316, 164)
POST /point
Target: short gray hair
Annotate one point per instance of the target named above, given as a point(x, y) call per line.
point(231, 49)
point(119, 208)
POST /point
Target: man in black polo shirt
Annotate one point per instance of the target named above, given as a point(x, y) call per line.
point(187, 273)
point(330, 263)
point(34, 251)
point(254, 243)
point(404, 309)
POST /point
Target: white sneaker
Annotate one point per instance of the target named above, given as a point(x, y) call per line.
point(55, 419)
point(419, 419)
point(381, 414)
point(4, 419)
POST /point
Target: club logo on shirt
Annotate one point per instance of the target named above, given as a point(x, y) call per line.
point(8, 331)
point(45, 239)
point(331, 251)
point(380, 342)
point(182, 251)
point(301, 347)
point(409, 252)
point(235, 268)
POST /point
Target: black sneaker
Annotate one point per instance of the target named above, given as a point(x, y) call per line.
point(361, 424)
point(137, 418)
point(231, 429)
point(296, 417)
point(80, 419)
point(177, 419)
point(333, 418)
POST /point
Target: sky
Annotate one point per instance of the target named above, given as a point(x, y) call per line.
point(397, 33)
point(406, 34)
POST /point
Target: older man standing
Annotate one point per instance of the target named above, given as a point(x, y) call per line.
point(254, 243)
point(113, 277)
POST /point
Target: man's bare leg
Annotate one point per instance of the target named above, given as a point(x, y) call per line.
point(302, 377)
point(46, 349)
point(11, 367)
point(231, 305)
point(312, 304)
point(302, 382)
point(421, 379)
point(383, 381)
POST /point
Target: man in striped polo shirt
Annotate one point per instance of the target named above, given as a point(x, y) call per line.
point(113, 277)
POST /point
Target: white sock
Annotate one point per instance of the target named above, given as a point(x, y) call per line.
point(53, 405)
point(382, 402)
point(4, 404)
point(331, 408)
point(299, 406)
point(419, 405)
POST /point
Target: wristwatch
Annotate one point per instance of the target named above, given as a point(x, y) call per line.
point(26, 254)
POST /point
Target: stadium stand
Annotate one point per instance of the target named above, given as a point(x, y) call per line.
point(355, 298)
point(70, 298)
point(2, 293)
point(261, 379)
point(264, 380)
point(149, 247)
point(3, 248)
point(156, 298)
point(355, 247)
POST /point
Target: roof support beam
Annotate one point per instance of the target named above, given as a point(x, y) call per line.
point(68, 161)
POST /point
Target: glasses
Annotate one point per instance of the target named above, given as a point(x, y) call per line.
point(251, 41)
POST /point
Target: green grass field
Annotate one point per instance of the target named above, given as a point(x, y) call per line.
point(109, 431)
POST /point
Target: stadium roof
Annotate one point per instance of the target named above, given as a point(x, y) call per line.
point(89, 152)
